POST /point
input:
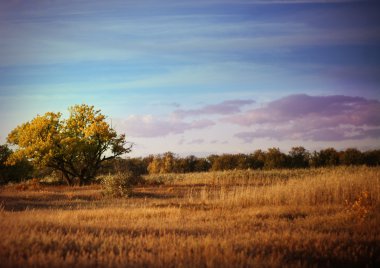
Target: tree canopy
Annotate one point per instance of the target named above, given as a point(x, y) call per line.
point(75, 146)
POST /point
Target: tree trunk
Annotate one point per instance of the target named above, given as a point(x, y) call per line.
point(68, 179)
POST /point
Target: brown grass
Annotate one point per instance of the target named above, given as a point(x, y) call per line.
point(318, 217)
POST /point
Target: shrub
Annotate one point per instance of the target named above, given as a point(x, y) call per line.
point(120, 184)
point(31, 184)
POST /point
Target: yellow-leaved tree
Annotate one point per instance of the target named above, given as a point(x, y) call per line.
point(75, 146)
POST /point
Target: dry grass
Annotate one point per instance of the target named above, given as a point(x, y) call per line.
point(321, 217)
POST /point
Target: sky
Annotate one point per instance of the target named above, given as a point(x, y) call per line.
point(202, 76)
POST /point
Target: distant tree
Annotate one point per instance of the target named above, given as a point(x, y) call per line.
point(134, 166)
point(147, 160)
point(168, 163)
point(224, 162)
point(324, 158)
point(229, 161)
point(274, 158)
point(5, 152)
point(202, 165)
point(241, 161)
point(256, 160)
point(76, 146)
point(351, 156)
point(299, 157)
point(372, 158)
point(191, 162)
point(314, 160)
point(215, 164)
point(155, 166)
point(185, 165)
point(21, 169)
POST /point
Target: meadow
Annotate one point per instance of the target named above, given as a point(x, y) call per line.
point(324, 217)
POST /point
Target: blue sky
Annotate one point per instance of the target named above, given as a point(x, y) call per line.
point(199, 77)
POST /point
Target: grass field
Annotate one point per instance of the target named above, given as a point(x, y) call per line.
point(280, 218)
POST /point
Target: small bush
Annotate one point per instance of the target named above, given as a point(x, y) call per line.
point(120, 184)
point(32, 184)
point(156, 180)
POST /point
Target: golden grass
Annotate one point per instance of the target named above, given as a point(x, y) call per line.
point(283, 218)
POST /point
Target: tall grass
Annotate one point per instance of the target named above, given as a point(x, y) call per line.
point(241, 177)
point(280, 218)
point(322, 187)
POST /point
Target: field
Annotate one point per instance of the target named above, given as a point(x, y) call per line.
point(295, 218)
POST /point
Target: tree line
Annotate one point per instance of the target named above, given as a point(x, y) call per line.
point(273, 158)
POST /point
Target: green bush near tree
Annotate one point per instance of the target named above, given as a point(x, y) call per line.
point(120, 184)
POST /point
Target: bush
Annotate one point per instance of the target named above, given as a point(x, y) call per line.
point(120, 184)
point(32, 184)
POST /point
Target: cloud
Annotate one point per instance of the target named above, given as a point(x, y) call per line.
point(223, 108)
point(149, 126)
point(218, 142)
point(196, 141)
point(302, 1)
point(318, 118)
point(325, 110)
point(50, 34)
point(322, 135)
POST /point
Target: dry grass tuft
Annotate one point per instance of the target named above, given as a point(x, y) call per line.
point(362, 207)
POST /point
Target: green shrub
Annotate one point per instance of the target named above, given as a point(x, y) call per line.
point(120, 184)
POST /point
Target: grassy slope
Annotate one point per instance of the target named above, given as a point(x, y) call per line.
point(324, 217)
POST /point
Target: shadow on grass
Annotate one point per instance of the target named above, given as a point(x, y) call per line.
point(74, 199)
point(60, 203)
point(151, 195)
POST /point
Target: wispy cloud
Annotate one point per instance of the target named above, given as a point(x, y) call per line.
point(50, 35)
point(150, 126)
point(218, 142)
point(196, 141)
point(301, 1)
point(318, 118)
point(223, 108)
point(336, 134)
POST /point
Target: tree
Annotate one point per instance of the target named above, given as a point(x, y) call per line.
point(202, 165)
point(190, 163)
point(185, 165)
point(299, 157)
point(256, 159)
point(274, 158)
point(19, 171)
point(155, 165)
point(214, 163)
point(324, 158)
point(351, 157)
point(372, 158)
point(135, 166)
point(168, 163)
point(76, 146)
